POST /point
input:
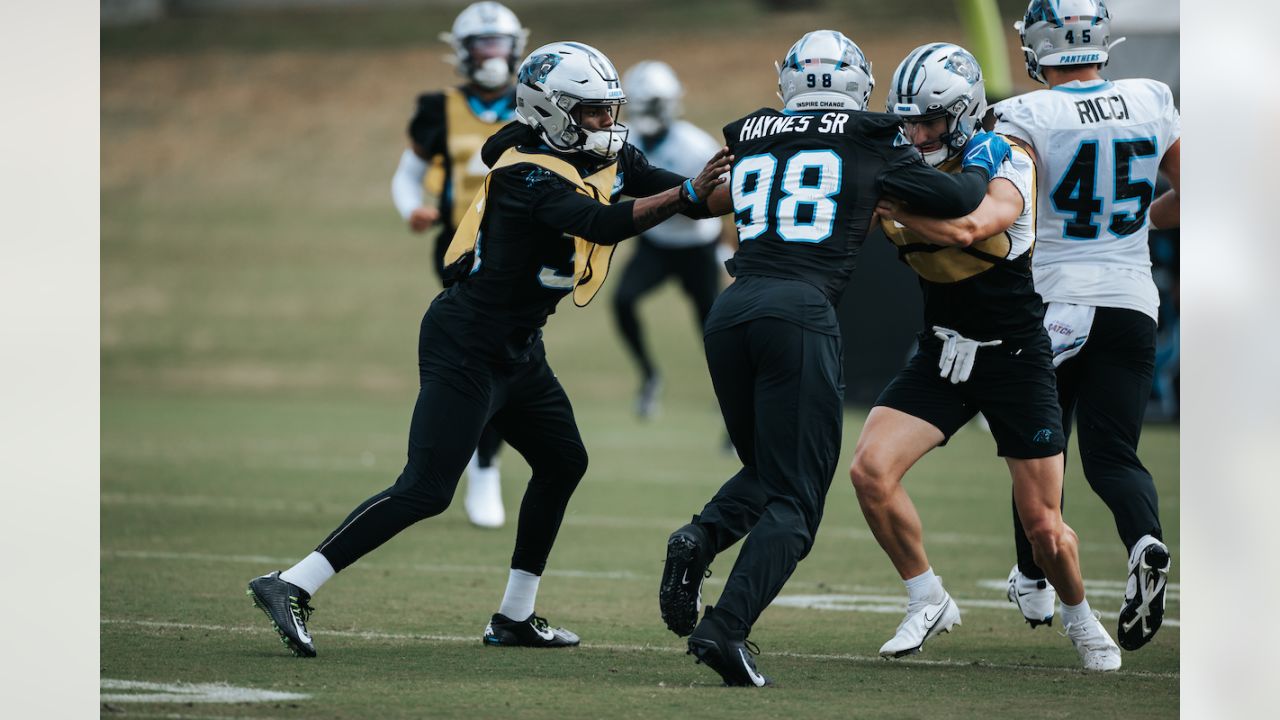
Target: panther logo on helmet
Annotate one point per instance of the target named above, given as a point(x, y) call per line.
point(534, 71)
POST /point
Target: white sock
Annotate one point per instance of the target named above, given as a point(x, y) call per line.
point(1072, 614)
point(522, 591)
point(310, 573)
point(924, 587)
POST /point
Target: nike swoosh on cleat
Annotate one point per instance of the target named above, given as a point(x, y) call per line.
point(931, 620)
point(684, 580)
point(756, 678)
point(547, 635)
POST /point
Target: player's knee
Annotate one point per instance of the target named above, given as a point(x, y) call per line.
point(422, 492)
point(1045, 532)
point(872, 479)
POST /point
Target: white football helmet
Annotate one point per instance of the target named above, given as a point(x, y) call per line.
point(824, 70)
point(487, 22)
point(1065, 32)
point(558, 78)
point(937, 80)
point(653, 97)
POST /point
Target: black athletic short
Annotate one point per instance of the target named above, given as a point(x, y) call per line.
point(1012, 386)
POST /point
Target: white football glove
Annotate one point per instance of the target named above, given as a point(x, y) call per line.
point(958, 353)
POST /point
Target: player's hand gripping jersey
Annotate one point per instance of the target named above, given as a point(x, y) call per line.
point(1098, 148)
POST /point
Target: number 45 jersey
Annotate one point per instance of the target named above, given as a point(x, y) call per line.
point(1098, 148)
point(804, 188)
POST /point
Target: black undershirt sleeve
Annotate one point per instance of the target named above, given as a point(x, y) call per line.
point(932, 192)
point(556, 203)
point(426, 128)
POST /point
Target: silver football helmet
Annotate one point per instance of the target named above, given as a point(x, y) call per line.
point(1065, 32)
point(941, 80)
point(557, 79)
point(653, 97)
point(491, 30)
point(825, 70)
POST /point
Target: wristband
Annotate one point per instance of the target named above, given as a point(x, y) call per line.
point(690, 195)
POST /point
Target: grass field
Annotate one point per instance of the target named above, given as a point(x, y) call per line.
point(259, 314)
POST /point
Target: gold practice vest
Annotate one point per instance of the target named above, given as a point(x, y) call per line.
point(590, 261)
point(944, 263)
point(465, 134)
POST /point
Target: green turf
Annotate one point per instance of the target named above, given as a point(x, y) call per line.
point(260, 306)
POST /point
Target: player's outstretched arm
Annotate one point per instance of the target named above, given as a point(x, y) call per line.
point(997, 211)
point(649, 211)
point(1166, 211)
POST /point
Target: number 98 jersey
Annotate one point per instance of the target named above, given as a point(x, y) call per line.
point(1098, 147)
point(804, 188)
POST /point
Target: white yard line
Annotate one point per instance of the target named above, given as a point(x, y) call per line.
point(138, 691)
point(869, 599)
point(377, 635)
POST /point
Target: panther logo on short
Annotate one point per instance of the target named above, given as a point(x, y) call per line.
point(1043, 436)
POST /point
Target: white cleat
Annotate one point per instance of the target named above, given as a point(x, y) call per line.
point(921, 623)
point(1098, 652)
point(484, 495)
point(1035, 598)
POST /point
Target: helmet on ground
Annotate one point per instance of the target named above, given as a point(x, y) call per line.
point(653, 97)
point(940, 80)
point(824, 70)
point(492, 32)
point(558, 79)
point(1057, 33)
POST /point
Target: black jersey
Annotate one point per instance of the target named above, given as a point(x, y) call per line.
point(804, 188)
point(524, 254)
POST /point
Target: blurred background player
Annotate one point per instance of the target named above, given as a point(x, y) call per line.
point(680, 247)
point(803, 192)
point(445, 136)
point(1099, 146)
point(984, 330)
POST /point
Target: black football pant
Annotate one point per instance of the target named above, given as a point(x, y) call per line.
point(781, 391)
point(651, 265)
point(490, 440)
point(458, 395)
point(1106, 387)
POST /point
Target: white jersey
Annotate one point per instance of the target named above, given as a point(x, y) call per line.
point(684, 150)
point(1098, 147)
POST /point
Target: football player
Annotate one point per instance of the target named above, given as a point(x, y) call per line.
point(445, 136)
point(985, 333)
point(1098, 145)
point(541, 226)
point(803, 191)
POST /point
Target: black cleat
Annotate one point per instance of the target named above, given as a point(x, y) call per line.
point(726, 653)
point(680, 594)
point(533, 631)
point(1143, 609)
point(288, 607)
